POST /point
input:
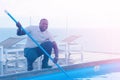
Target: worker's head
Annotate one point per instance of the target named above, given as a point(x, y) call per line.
point(43, 25)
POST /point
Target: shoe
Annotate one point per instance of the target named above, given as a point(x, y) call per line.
point(43, 67)
point(30, 68)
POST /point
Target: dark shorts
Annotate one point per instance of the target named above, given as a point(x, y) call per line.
point(33, 53)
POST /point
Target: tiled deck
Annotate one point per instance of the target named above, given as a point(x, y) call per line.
point(75, 58)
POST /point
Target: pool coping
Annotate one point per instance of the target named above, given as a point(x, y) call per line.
point(53, 70)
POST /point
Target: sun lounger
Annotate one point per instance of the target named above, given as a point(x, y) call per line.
point(69, 46)
point(9, 52)
point(9, 42)
point(12, 56)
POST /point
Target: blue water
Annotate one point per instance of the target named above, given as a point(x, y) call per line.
point(110, 76)
point(11, 32)
point(104, 72)
point(92, 39)
point(6, 33)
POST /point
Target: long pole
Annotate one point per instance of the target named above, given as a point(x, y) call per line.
point(38, 45)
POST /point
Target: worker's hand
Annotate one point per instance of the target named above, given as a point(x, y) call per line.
point(55, 59)
point(18, 25)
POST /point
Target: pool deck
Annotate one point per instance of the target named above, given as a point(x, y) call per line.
point(76, 58)
point(88, 58)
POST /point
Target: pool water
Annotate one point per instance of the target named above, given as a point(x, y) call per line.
point(98, 72)
point(110, 76)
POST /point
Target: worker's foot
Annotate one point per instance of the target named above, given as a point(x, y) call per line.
point(43, 67)
point(30, 68)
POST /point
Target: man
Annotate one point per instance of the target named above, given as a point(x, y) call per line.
point(44, 38)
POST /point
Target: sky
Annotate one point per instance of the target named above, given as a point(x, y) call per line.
point(70, 14)
point(61, 13)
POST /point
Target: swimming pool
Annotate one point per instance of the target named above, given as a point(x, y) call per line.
point(85, 71)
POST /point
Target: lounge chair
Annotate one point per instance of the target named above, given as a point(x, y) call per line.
point(11, 55)
point(9, 52)
point(70, 46)
point(10, 42)
point(1, 59)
